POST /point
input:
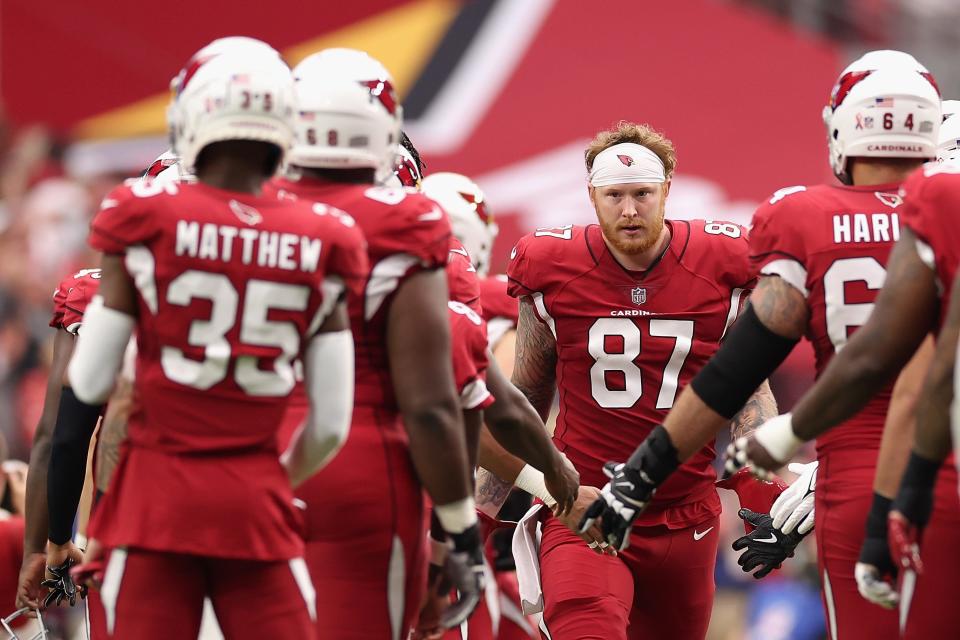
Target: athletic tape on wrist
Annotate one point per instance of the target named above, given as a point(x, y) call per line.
point(777, 437)
point(532, 481)
point(457, 517)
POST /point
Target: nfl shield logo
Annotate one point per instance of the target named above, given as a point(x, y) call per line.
point(638, 295)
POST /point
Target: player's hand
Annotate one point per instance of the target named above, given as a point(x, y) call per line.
point(29, 590)
point(875, 572)
point(904, 539)
point(60, 558)
point(874, 585)
point(464, 571)
point(592, 535)
point(768, 448)
point(623, 499)
point(563, 482)
point(766, 546)
point(794, 509)
point(90, 571)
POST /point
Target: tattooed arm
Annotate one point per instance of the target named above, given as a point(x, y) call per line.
point(535, 372)
point(692, 423)
point(759, 408)
point(113, 431)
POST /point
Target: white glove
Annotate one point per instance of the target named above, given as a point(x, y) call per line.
point(794, 507)
point(873, 588)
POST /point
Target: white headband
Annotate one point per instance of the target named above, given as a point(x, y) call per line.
point(626, 163)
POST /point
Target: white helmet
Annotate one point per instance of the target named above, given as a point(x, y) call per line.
point(463, 201)
point(243, 93)
point(215, 48)
point(348, 116)
point(948, 145)
point(950, 108)
point(884, 105)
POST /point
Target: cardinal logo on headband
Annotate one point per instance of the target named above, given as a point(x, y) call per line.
point(626, 160)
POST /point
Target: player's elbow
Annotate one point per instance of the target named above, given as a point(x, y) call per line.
point(435, 418)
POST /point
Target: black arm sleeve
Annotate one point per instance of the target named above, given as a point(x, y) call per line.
point(68, 462)
point(748, 355)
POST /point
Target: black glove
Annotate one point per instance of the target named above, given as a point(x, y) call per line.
point(464, 572)
point(61, 586)
point(766, 546)
point(875, 571)
point(632, 485)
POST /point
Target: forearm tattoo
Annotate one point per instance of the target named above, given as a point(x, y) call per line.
point(534, 372)
point(761, 407)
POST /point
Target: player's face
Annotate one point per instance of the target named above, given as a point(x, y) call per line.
point(631, 215)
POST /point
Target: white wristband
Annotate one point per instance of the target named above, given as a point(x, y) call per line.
point(531, 481)
point(777, 437)
point(457, 517)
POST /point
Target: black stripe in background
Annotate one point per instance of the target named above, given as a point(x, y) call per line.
point(447, 56)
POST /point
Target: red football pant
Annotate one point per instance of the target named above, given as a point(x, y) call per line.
point(931, 610)
point(843, 497)
point(366, 538)
point(660, 587)
point(844, 494)
point(148, 594)
point(513, 624)
point(96, 618)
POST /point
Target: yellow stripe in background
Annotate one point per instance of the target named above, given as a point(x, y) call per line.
point(403, 39)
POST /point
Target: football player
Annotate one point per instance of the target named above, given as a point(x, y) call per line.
point(913, 301)
point(61, 409)
point(225, 288)
point(407, 431)
point(822, 254)
point(617, 317)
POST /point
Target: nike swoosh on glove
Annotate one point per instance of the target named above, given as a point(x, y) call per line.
point(622, 499)
point(61, 586)
point(766, 547)
point(794, 509)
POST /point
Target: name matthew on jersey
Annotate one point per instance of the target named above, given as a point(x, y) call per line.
point(209, 241)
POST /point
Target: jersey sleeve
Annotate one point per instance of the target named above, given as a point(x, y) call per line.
point(462, 279)
point(348, 259)
point(915, 207)
point(121, 222)
point(424, 232)
point(59, 299)
point(77, 300)
point(469, 352)
point(776, 244)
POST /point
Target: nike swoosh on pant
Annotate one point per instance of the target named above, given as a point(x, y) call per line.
point(697, 535)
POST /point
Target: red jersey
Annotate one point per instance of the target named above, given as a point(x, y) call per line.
point(499, 309)
point(831, 243)
point(468, 331)
point(462, 280)
point(406, 232)
point(231, 287)
point(627, 342)
point(71, 298)
point(468, 342)
point(930, 210)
